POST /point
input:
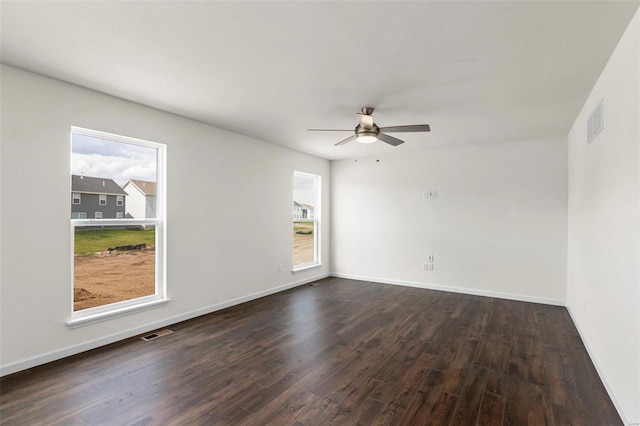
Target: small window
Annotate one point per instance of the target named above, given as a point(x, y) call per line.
point(98, 215)
point(78, 215)
point(306, 220)
point(119, 215)
point(103, 200)
point(120, 201)
point(76, 198)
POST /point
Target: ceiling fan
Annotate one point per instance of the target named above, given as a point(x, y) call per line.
point(368, 132)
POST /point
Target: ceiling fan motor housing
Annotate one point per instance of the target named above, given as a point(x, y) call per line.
point(365, 135)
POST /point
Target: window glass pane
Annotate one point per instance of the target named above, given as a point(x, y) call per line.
point(303, 197)
point(303, 242)
point(115, 176)
point(113, 264)
point(305, 218)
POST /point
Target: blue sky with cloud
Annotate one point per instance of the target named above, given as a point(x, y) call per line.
point(114, 160)
point(303, 189)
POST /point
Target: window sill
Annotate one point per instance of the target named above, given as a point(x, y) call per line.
point(114, 313)
point(306, 266)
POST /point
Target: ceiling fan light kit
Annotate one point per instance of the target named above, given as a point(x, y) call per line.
point(367, 138)
point(368, 132)
point(367, 135)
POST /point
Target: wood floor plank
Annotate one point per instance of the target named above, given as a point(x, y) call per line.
point(470, 397)
point(491, 412)
point(399, 392)
point(338, 352)
point(421, 408)
point(283, 409)
point(445, 407)
point(513, 386)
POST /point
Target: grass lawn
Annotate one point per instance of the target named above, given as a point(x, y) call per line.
point(87, 242)
point(303, 226)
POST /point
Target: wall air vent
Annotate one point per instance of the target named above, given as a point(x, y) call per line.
point(595, 123)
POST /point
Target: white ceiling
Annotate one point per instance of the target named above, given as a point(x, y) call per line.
point(475, 71)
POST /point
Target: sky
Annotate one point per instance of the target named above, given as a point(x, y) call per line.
point(113, 160)
point(303, 189)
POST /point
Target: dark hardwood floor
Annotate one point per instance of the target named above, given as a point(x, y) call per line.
point(340, 352)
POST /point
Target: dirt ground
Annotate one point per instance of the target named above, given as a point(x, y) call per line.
point(302, 249)
point(116, 276)
point(113, 277)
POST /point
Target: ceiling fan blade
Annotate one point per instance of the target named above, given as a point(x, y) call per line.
point(366, 121)
point(349, 139)
point(329, 130)
point(389, 139)
point(411, 128)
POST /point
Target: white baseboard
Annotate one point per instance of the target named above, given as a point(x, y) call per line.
point(626, 419)
point(57, 354)
point(463, 290)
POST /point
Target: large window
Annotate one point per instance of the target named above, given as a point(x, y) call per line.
point(117, 256)
point(306, 220)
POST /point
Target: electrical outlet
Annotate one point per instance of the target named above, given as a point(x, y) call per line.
point(429, 266)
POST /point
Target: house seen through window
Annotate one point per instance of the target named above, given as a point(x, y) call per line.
point(117, 221)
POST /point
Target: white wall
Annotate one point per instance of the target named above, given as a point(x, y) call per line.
point(603, 283)
point(221, 248)
point(497, 227)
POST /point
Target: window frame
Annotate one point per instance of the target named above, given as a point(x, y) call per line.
point(79, 213)
point(96, 214)
point(114, 310)
point(119, 200)
point(73, 198)
point(317, 209)
point(102, 199)
point(119, 215)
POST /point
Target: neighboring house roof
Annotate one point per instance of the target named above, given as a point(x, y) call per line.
point(95, 185)
point(302, 206)
point(144, 186)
